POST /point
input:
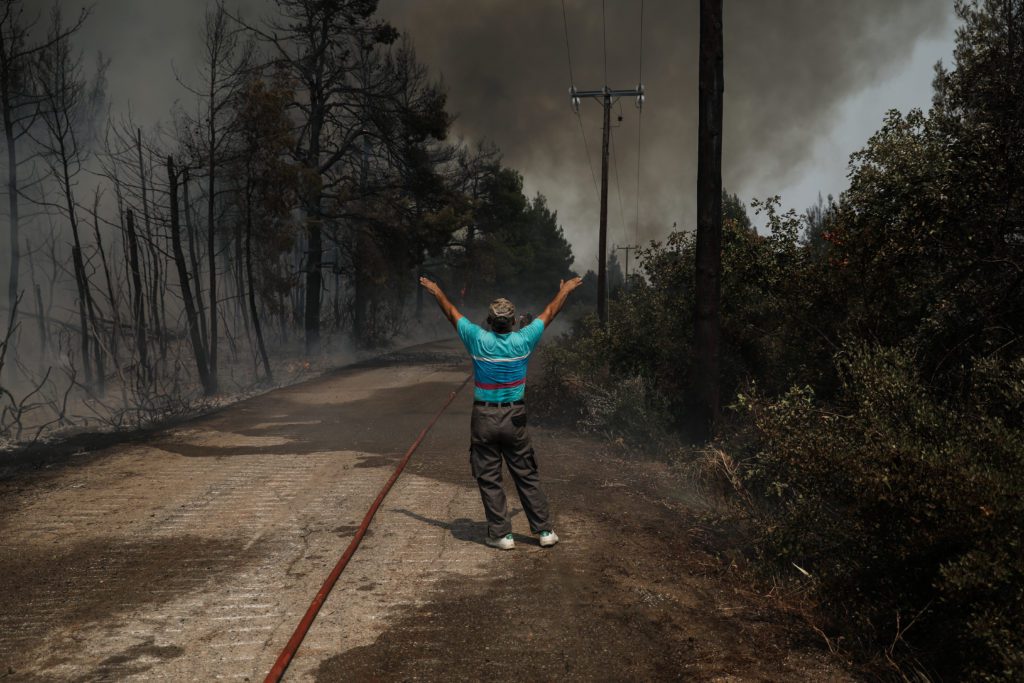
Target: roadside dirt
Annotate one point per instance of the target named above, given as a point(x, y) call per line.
point(191, 554)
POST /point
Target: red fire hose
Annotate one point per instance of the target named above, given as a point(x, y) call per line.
point(286, 655)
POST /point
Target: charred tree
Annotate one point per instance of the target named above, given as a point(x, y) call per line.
point(155, 292)
point(361, 326)
point(14, 75)
point(115, 313)
point(211, 236)
point(225, 62)
point(138, 297)
point(193, 257)
point(238, 270)
point(265, 192)
point(198, 352)
point(253, 311)
point(19, 106)
point(96, 336)
point(67, 111)
point(40, 309)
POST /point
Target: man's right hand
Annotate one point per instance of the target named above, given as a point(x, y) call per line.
point(447, 307)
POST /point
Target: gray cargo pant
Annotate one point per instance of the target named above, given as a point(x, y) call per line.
point(498, 431)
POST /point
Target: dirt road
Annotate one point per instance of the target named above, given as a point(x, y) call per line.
point(192, 554)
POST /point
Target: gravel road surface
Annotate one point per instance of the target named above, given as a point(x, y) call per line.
point(192, 553)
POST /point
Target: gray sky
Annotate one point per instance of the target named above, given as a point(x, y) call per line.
point(806, 83)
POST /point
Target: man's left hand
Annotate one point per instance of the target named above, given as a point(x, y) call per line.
point(430, 286)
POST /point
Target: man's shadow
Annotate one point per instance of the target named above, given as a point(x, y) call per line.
point(465, 529)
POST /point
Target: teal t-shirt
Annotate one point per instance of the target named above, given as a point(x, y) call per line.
point(500, 360)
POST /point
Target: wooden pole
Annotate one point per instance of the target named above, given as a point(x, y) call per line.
point(602, 241)
point(707, 332)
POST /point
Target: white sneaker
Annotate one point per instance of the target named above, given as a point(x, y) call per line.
point(548, 539)
point(506, 542)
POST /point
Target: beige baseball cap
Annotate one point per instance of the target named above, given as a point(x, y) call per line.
point(502, 308)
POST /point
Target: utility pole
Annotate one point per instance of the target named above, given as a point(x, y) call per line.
point(607, 97)
point(707, 337)
point(627, 249)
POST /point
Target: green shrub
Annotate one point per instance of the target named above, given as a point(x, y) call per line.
point(648, 337)
point(906, 509)
point(577, 386)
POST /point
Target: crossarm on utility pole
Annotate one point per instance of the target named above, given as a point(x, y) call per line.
point(607, 96)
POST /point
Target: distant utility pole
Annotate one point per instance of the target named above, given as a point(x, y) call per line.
point(607, 97)
point(627, 249)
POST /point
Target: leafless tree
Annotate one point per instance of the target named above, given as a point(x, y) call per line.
point(227, 59)
point(68, 109)
point(19, 106)
point(183, 279)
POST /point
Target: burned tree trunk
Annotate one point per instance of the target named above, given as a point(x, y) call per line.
point(85, 314)
point(190, 230)
point(115, 313)
point(154, 285)
point(20, 59)
point(139, 306)
point(99, 355)
point(211, 254)
point(314, 247)
point(361, 291)
point(40, 309)
point(83, 318)
point(241, 307)
point(12, 202)
point(253, 312)
point(186, 291)
point(707, 331)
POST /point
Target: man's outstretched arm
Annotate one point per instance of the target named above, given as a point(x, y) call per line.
point(552, 309)
point(447, 307)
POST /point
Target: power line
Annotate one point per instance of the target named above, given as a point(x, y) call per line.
point(586, 147)
point(619, 187)
point(572, 88)
point(568, 52)
point(607, 96)
point(604, 42)
point(641, 40)
point(636, 221)
point(639, 131)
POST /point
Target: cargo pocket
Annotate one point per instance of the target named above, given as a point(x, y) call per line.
point(531, 461)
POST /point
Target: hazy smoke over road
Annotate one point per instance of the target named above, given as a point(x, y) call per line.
point(789, 64)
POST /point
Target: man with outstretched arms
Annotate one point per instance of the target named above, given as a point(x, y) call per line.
point(498, 428)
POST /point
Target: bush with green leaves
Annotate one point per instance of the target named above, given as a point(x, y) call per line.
point(576, 386)
point(649, 330)
point(905, 507)
point(884, 445)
